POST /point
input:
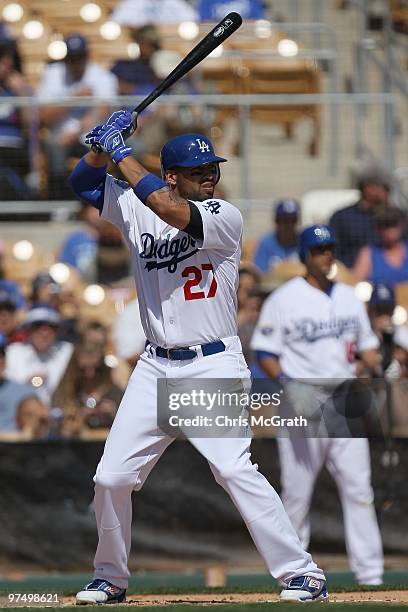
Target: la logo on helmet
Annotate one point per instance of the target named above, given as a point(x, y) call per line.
point(322, 233)
point(204, 147)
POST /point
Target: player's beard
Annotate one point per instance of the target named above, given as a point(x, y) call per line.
point(198, 195)
point(206, 195)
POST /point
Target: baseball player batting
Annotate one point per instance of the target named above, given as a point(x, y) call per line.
point(311, 328)
point(185, 247)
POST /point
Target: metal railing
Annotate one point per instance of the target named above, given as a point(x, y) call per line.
point(244, 102)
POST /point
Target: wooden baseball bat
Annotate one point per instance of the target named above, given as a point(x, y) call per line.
point(211, 41)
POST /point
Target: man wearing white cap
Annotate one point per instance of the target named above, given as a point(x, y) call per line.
point(42, 359)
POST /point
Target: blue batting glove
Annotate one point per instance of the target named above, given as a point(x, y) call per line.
point(111, 141)
point(91, 137)
point(121, 119)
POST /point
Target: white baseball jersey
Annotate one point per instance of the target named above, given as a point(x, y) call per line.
point(186, 288)
point(314, 334)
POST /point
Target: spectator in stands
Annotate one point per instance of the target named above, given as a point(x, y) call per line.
point(80, 248)
point(281, 244)
point(393, 338)
point(137, 13)
point(397, 375)
point(16, 399)
point(87, 390)
point(75, 76)
point(33, 419)
point(41, 360)
point(354, 225)
point(113, 262)
point(6, 38)
point(215, 10)
point(387, 262)
point(248, 283)
point(9, 328)
point(381, 307)
point(14, 163)
point(69, 423)
point(380, 310)
point(95, 332)
point(45, 291)
point(128, 334)
point(149, 42)
point(135, 77)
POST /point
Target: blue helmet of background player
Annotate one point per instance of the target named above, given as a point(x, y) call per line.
point(382, 295)
point(315, 236)
point(188, 151)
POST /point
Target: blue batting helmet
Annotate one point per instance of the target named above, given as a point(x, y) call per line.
point(314, 236)
point(188, 151)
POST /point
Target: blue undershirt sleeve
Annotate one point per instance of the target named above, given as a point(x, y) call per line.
point(88, 183)
point(265, 355)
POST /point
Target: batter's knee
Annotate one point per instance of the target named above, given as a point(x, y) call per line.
point(115, 480)
point(233, 471)
point(359, 493)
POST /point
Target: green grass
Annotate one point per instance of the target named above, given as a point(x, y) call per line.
point(176, 583)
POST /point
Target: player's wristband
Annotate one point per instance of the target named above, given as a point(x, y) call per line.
point(147, 185)
point(120, 153)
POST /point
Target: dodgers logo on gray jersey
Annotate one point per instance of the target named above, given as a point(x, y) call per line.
point(310, 330)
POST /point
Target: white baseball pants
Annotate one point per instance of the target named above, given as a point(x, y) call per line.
point(348, 461)
point(134, 446)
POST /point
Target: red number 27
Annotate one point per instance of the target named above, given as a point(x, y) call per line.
point(196, 280)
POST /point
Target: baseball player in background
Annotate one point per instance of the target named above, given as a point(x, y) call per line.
point(308, 333)
point(185, 248)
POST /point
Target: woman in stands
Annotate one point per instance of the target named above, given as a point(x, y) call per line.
point(87, 395)
point(386, 262)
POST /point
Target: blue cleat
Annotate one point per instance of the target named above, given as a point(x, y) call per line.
point(304, 589)
point(101, 592)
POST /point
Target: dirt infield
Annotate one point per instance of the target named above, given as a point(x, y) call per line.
point(218, 598)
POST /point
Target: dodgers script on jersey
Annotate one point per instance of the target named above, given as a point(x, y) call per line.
point(186, 288)
point(315, 335)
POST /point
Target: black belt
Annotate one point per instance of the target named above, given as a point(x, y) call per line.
point(184, 352)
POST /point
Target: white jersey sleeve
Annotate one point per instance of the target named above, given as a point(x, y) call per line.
point(118, 203)
point(222, 225)
point(367, 339)
point(267, 335)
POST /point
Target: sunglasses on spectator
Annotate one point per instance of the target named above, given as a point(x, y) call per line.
point(39, 324)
